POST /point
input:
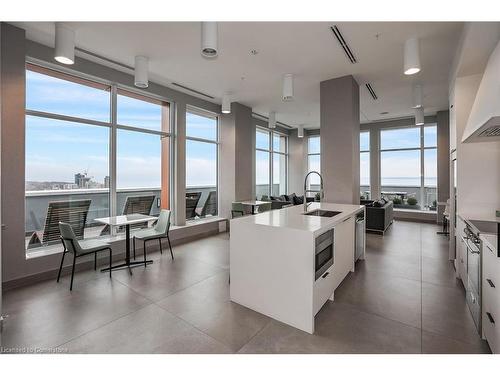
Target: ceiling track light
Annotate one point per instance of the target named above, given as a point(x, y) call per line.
point(141, 72)
point(226, 104)
point(300, 131)
point(418, 96)
point(419, 116)
point(209, 39)
point(288, 87)
point(412, 56)
point(65, 44)
point(272, 120)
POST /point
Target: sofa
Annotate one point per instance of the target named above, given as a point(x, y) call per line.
point(379, 214)
point(287, 200)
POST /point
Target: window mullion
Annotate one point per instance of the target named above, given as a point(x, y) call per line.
point(422, 168)
point(112, 155)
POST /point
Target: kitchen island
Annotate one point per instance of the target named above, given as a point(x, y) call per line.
point(286, 264)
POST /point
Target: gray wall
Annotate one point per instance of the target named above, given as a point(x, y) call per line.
point(12, 112)
point(179, 171)
point(443, 160)
point(245, 150)
point(339, 126)
point(297, 165)
point(236, 162)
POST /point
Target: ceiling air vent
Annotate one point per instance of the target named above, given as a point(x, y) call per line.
point(371, 91)
point(192, 90)
point(343, 44)
point(490, 132)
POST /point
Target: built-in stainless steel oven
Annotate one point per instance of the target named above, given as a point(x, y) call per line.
point(324, 253)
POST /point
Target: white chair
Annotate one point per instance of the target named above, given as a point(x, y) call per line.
point(80, 248)
point(158, 232)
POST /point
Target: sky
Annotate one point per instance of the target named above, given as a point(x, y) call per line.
point(56, 150)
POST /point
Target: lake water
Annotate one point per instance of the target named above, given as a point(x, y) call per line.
point(403, 181)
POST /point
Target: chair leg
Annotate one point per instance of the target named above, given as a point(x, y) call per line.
point(145, 264)
point(95, 261)
point(60, 267)
point(110, 260)
point(170, 246)
point(159, 241)
point(134, 246)
point(72, 273)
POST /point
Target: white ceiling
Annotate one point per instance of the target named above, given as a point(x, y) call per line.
point(307, 49)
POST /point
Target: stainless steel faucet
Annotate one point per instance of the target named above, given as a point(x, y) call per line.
point(320, 191)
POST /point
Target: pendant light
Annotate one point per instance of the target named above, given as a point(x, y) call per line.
point(209, 39)
point(272, 120)
point(300, 131)
point(412, 56)
point(288, 87)
point(65, 44)
point(418, 96)
point(141, 72)
point(419, 116)
point(226, 104)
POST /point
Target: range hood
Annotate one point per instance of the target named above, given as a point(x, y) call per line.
point(483, 124)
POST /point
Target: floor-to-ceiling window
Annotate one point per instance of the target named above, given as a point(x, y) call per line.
point(201, 164)
point(271, 163)
point(408, 166)
point(313, 161)
point(364, 164)
point(91, 149)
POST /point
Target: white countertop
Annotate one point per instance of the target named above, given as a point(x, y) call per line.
point(125, 219)
point(294, 218)
point(481, 217)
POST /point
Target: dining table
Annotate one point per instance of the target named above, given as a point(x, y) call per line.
point(126, 221)
point(254, 204)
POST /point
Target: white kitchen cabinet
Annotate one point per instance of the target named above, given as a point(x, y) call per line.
point(344, 250)
point(323, 288)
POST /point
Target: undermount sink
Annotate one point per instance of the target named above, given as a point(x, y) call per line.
point(323, 213)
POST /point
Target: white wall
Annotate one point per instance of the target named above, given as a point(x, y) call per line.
point(478, 164)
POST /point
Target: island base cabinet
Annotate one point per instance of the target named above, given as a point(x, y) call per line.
point(343, 261)
point(323, 289)
point(491, 322)
point(491, 299)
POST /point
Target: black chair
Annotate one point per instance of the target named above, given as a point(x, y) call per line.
point(237, 210)
point(192, 200)
point(72, 212)
point(210, 205)
point(71, 244)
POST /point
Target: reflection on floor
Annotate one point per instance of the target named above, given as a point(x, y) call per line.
point(403, 298)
